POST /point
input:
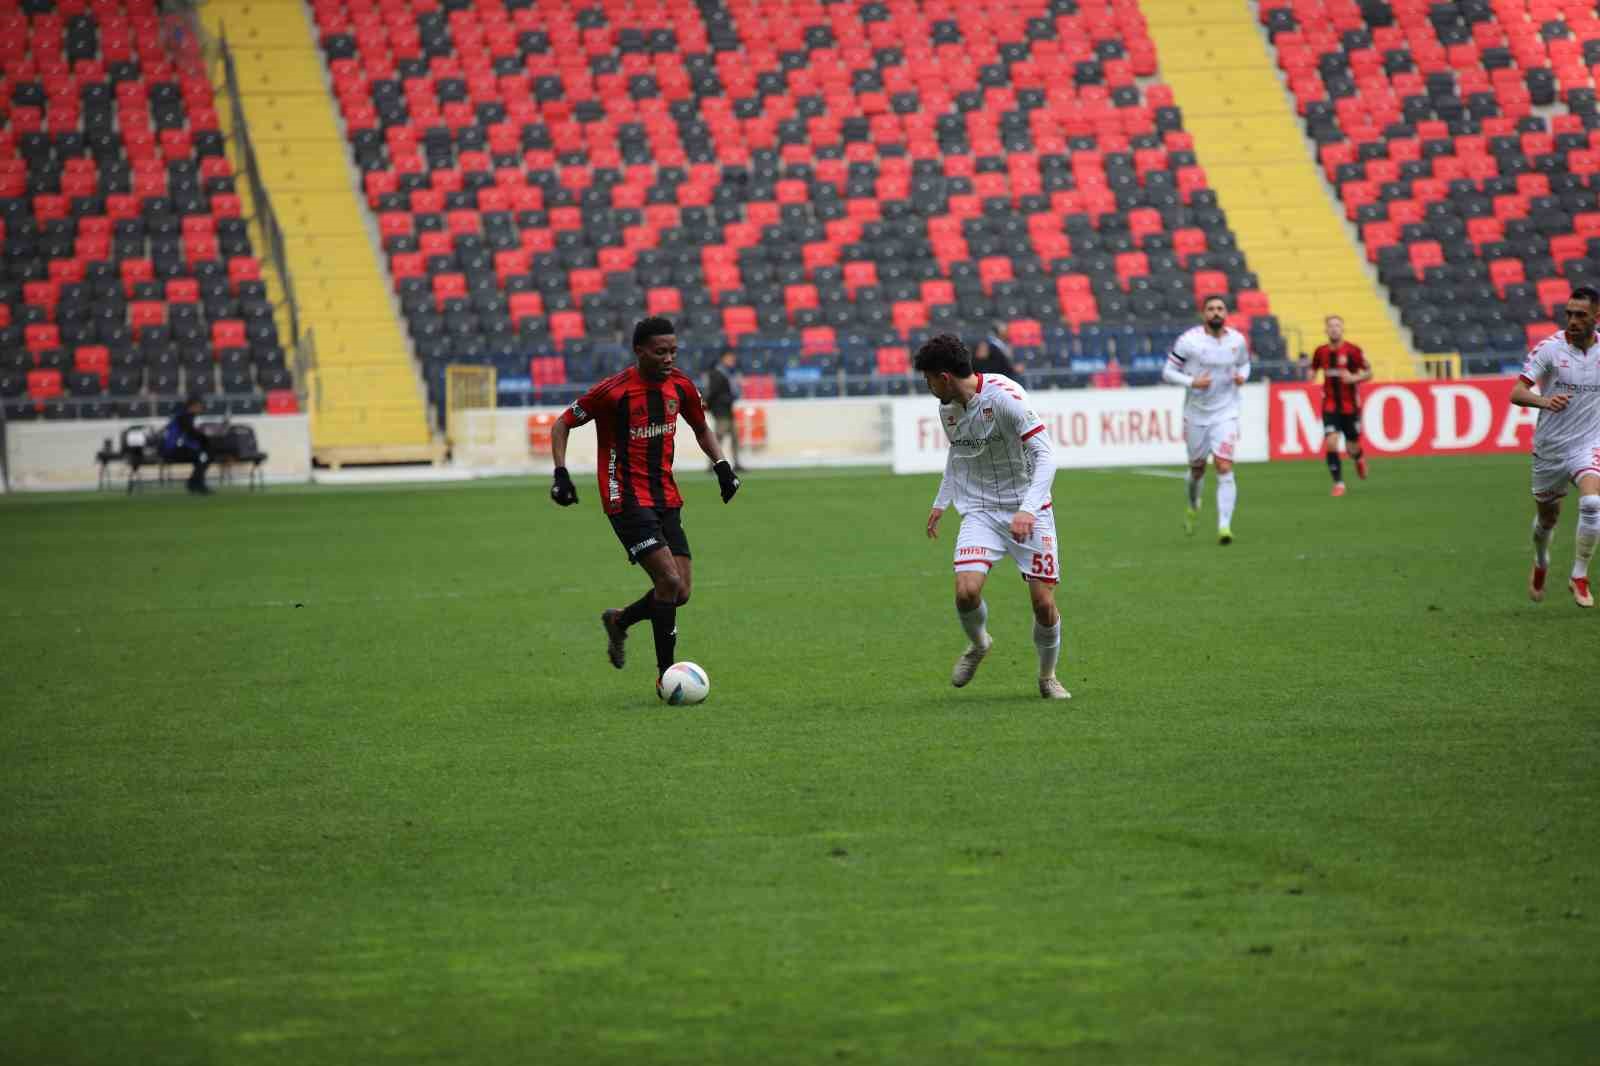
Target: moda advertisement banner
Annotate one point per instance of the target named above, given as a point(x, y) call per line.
point(1089, 427)
point(1409, 418)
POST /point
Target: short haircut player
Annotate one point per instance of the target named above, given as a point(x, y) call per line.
point(1564, 368)
point(636, 413)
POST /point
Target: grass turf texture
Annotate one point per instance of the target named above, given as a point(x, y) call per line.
point(343, 776)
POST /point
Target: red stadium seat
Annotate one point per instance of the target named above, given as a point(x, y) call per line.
point(858, 275)
point(738, 321)
point(1503, 272)
point(523, 305)
point(908, 315)
point(228, 333)
point(1425, 254)
point(818, 340)
point(1025, 333)
point(1552, 294)
point(663, 301)
point(894, 359)
point(41, 336)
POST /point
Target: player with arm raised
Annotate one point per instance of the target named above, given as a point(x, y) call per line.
point(636, 419)
point(1344, 368)
point(1211, 360)
point(998, 475)
point(1565, 367)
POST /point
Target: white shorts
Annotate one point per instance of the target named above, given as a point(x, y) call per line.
point(985, 539)
point(1217, 438)
point(1552, 476)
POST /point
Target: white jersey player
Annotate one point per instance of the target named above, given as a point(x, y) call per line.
point(998, 475)
point(1211, 361)
point(1565, 367)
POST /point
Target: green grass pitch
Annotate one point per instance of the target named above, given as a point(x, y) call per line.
point(343, 776)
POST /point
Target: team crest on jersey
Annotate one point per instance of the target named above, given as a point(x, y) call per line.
point(672, 406)
point(988, 412)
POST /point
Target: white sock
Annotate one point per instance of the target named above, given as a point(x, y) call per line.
point(1227, 496)
point(1588, 534)
point(1047, 639)
point(1194, 485)
point(973, 622)
point(1541, 544)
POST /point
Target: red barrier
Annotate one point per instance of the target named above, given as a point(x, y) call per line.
point(1408, 418)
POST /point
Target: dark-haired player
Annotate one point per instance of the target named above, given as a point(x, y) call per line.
point(636, 420)
point(1565, 367)
point(998, 475)
point(1211, 360)
point(1343, 368)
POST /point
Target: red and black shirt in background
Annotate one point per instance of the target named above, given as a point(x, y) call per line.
point(1339, 397)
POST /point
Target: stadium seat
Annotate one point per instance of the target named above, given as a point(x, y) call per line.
point(759, 198)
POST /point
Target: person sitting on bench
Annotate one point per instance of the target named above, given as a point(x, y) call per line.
point(182, 442)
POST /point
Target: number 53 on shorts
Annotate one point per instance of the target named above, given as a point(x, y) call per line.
point(985, 539)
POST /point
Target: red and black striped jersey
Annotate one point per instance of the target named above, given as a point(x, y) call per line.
point(1339, 397)
point(636, 421)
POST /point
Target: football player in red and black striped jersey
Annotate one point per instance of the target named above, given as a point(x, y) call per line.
point(635, 414)
point(1343, 368)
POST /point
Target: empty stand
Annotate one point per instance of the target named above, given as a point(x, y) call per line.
point(127, 275)
point(1464, 140)
point(809, 184)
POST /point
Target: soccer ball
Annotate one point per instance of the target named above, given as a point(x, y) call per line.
point(683, 683)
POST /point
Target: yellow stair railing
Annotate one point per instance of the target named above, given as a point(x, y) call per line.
point(368, 403)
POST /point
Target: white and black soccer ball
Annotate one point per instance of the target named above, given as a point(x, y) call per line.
point(683, 684)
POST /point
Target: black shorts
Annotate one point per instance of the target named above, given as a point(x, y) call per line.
point(1349, 425)
point(644, 529)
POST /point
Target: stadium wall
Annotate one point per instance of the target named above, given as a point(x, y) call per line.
point(1091, 428)
point(60, 455)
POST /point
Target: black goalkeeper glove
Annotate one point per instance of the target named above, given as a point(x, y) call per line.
point(727, 479)
point(564, 492)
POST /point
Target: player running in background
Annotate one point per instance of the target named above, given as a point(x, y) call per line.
point(1565, 367)
point(636, 420)
point(1211, 360)
point(998, 475)
point(1343, 368)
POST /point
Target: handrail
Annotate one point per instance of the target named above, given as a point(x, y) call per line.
point(223, 74)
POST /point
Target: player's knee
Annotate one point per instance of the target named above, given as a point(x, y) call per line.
point(1045, 613)
point(671, 589)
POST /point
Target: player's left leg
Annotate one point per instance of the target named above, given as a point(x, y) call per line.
point(1222, 445)
point(1047, 637)
point(669, 591)
point(1352, 443)
point(1588, 535)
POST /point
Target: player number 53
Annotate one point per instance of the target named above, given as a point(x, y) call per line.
point(1044, 565)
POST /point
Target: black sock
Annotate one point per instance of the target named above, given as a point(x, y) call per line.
point(637, 611)
point(664, 621)
point(1335, 467)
